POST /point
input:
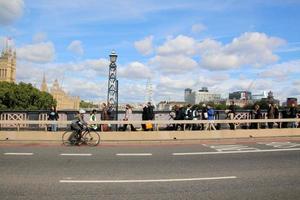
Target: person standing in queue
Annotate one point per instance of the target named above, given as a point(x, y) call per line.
point(53, 116)
point(271, 115)
point(93, 119)
point(293, 114)
point(144, 116)
point(204, 114)
point(231, 115)
point(104, 117)
point(128, 117)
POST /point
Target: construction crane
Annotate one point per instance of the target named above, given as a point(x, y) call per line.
point(250, 86)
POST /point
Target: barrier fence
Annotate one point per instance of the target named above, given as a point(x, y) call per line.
point(158, 125)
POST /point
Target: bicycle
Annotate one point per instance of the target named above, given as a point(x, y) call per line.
point(89, 136)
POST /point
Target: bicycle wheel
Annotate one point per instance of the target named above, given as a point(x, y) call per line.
point(92, 138)
point(68, 138)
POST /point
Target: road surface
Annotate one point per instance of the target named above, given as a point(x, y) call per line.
point(260, 170)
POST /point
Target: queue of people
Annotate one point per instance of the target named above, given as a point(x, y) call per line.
point(189, 112)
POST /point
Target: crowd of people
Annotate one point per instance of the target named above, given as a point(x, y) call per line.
point(189, 112)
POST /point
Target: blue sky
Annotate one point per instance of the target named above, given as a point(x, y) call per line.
point(225, 45)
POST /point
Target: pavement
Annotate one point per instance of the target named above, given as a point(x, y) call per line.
point(215, 169)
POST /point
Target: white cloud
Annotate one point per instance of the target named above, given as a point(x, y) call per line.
point(206, 79)
point(10, 10)
point(41, 52)
point(132, 92)
point(39, 37)
point(281, 71)
point(135, 70)
point(101, 65)
point(254, 49)
point(176, 83)
point(174, 63)
point(250, 49)
point(76, 47)
point(87, 79)
point(220, 61)
point(181, 45)
point(144, 46)
point(87, 89)
point(198, 28)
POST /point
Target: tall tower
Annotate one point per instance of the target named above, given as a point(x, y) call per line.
point(8, 64)
point(44, 87)
point(187, 95)
point(149, 92)
point(112, 93)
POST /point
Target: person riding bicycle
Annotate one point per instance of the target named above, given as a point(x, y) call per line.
point(78, 125)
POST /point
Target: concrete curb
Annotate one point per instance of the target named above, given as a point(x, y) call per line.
point(153, 136)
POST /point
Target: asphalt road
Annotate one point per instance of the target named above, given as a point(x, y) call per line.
point(268, 170)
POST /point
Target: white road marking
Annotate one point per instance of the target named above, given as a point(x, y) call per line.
point(76, 154)
point(235, 152)
point(147, 180)
point(284, 145)
point(134, 154)
point(18, 154)
point(235, 147)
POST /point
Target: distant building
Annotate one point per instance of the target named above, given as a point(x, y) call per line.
point(240, 95)
point(187, 94)
point(64, 101)
point(257, 97)
point(44, 87)
point(291, 100)
point(239, 102)
point(168, 105)
point(8, 65)
point(270, 98)
point(201, 96)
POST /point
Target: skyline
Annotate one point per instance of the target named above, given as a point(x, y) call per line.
point(236, 45)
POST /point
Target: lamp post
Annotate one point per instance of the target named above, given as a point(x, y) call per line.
point(112, 93)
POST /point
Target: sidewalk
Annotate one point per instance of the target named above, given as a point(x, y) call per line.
point(161, 137)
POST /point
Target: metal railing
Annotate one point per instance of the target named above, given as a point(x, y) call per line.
point(158, 125)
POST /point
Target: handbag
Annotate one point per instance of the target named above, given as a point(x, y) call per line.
point(149, 126)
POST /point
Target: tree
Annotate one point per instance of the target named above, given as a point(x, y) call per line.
point(84, 104)
point(24, 96)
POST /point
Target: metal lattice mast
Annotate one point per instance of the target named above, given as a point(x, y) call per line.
point(149, 92)
point(112, 93)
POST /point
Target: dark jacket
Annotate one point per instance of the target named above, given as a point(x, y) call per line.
point(232, 109)
point(293, 112)
point(53, 115)
point(257, 114)
point(276, 113)
point(271, 112)
point(180, 114)
point(204, 110)
point(150, 112)
point(145, 113)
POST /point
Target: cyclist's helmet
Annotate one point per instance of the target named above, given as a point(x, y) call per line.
point(81, 111)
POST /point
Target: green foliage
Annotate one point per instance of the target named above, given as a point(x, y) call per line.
point(84, 104)
point(24, 96)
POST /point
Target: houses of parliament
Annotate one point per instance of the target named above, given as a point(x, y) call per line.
point(8, 66)
point(8, 60)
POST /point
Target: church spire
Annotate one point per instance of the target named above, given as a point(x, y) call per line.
point(44, 86)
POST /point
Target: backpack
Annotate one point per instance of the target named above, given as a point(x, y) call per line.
point(189, 114)
point(76, 125)
point(195, 114)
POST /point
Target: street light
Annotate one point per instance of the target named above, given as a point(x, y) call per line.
point(112, 93)
point(113, 56)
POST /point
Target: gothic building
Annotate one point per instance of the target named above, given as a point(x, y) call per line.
point(64, 101)
point(8, 65)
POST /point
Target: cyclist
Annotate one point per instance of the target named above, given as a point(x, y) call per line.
point(78, 125)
